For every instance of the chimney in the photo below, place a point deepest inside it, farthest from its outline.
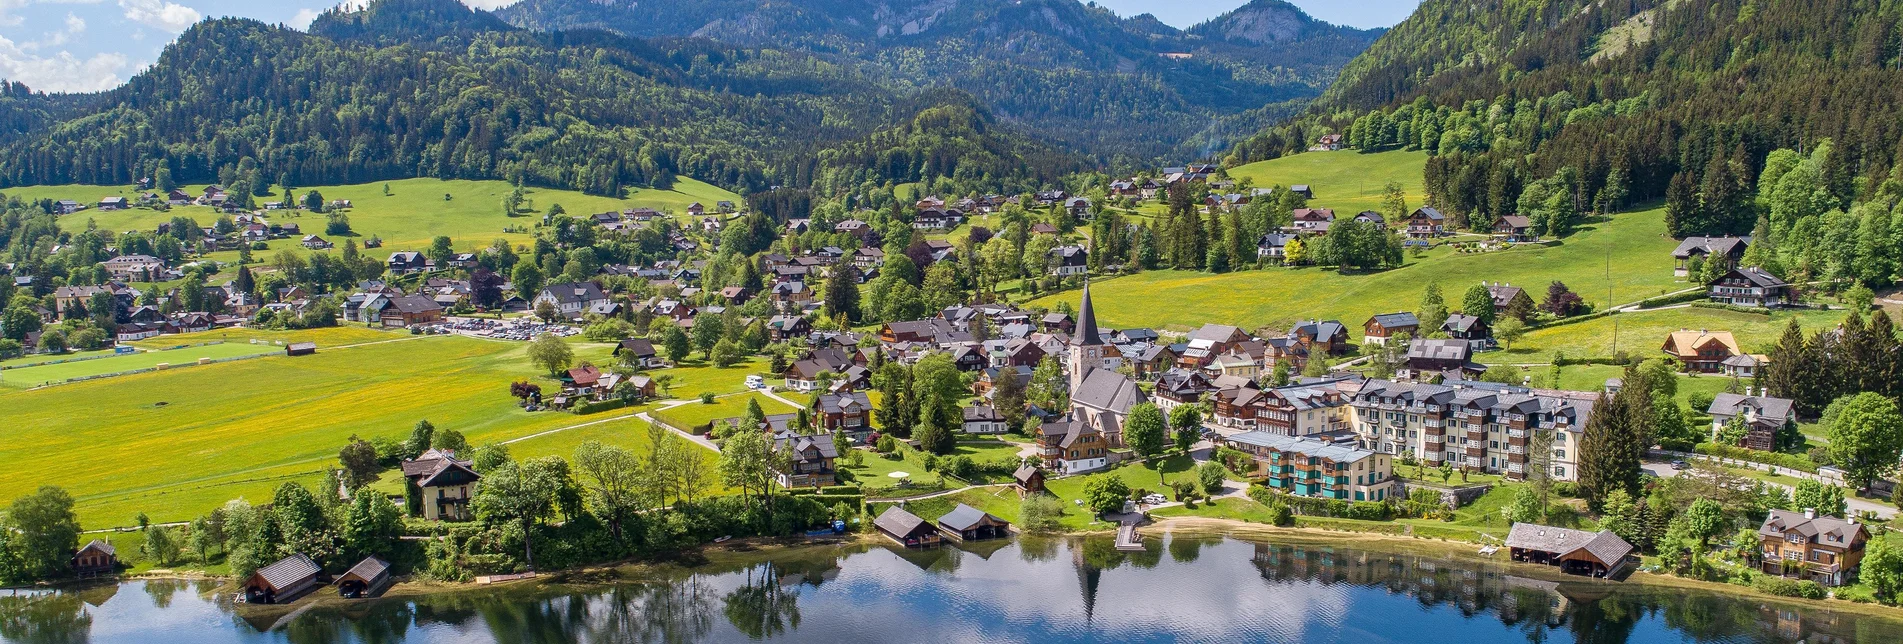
(1810, 513)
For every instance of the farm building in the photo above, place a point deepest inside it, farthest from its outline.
(97, 558)
(282, 581)
(366, 579)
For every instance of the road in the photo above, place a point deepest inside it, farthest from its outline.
(1856, 505)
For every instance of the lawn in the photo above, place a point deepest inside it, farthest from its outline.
(1593, 378)
(874, 470)
(35, 376)
(1643, 332)
(695, 414)
(414, 212)
(241, 428)
(326, 337)
(1634, 244)
(1349, 182)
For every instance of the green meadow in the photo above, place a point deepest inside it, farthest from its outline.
(413, 213)
(1628, 252)
(175, 443)
(1643, 333)
(1347, 181)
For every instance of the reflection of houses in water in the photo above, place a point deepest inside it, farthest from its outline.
(1474, 588)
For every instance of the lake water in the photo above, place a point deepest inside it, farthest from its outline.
(1206, 589)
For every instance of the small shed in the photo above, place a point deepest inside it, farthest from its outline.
(366, 579)
(1577, 552)
(300, 349)
(1030, 480)
(906, 528)
(97, 558)
(282, 581)
(966, 523)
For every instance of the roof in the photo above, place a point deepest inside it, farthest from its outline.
(1459, 322)
(368, 569)
(101, 545)
(1298, 445)
(641, 347)
(1429, 213)
(288, 571)
(1776, 410)
(1685, 342)
(982, 412)
(1759, 277)
(1395, 320)
(1108, 390)
(896, 520)
(1087, 335)
(1439, 350)
(1711, 246)
(449, 472)
(1515, 221)
(1779, 522)
(1024, 473)
(799, 443)
(1605, 546)
(965, 517)
(415, 304)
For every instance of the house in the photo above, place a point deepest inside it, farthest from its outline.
(135, 268)
(1069, 260)
(1752, 287)
(406, 262)
(282, 581)
(67, 207)
(114, 203)
(1028, 480)
(444, 485)
(584, 376)
(1514, 228)
(966, 523)
(97, 557)
(1235, 364)
(844, 412)
(906, 528)
(1328, 143)
(1312, 220)
(1077, 207)
(408, 310)
(1701, 351)
(314, 242)
(1724, 250)
(638, 351)
(300, 349)
(1103, 401)
(1763, 416)
(696, 209)
(1072, 447)
(984, 419)
(1303, 190)
(365, 580)
(1452, 359)
(1576, 552)
(1472, 329)
(1507, 297)
(791, 294)
(782, 328)
(1824, 549)
(1273, 246)
(1744, 366)
(1316, 468)
(1379, 328)
(570, 299)
(1426, 223)
(808, 461)
(1181, 387)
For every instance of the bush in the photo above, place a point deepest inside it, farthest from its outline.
(599, 406)
(1280, 515)
(1566, 489)
(1793, 461)
(706, 397)
(1784, 587)
(1368, 511)
(840, 489)
(1040, 513)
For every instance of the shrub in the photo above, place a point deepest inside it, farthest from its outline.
(1280, 515)
(1784, 587)
(1566, 489)
(1040, 513)
(706, 397)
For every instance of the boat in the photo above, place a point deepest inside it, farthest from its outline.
(723, 539)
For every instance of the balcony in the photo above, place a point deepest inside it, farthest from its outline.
(1431, 422)
(1518, 418)
(1433, 439)
(1516, 433)
(1516, 449)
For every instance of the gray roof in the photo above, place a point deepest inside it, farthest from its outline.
(1776, 410)
(1711, 245)
(101, 545)
(897, 521)
(369, 569)
(1215, 333)
(1779, 522)
(1439, 350)
(965, 517)
(1605, 546)
(982, 413)
(1396, 320)
(288, 571)
(1305, 446)
(1108, 390)
(799, 443)
(1759, 277)
(1087, 333)
(1459, 322)
(1025, 472)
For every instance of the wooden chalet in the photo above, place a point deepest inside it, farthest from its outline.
(282, 581)
(367, 579)
(1378, 329)
(300, 349)
(1575, 552)
(966, 523)
(906, 528)
(98, 557)
(1028, 480)
(446, 485)
(1824, 549)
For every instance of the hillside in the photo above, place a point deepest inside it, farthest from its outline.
(430, 88)
(1622, 99)
(1075, 74)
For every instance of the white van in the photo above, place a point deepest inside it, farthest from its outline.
(756, 382)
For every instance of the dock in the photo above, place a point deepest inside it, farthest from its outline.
(1127, 538)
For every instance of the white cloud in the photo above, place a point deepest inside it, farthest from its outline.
(303, 18)
(169, 16)
(61, 72)
(74, 24)
(490, 5)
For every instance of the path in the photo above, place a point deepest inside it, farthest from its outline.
(698, 439)
(1858, 505)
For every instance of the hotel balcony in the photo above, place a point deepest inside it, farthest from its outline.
(1516, 433)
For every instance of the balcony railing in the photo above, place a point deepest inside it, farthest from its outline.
(1516, 433)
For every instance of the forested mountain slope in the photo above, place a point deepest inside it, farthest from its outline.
(1076, 74)
(430, 88)
(1606, 102)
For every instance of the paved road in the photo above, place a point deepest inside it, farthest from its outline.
(1856, 505)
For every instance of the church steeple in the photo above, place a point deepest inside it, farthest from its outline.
(1086, 335)
(1086, 346)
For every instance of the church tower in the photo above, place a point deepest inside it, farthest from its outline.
(1086, 347)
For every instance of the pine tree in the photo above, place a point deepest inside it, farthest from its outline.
(1615, 439)
(1783, 377)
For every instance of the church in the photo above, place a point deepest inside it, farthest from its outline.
(1100, 401)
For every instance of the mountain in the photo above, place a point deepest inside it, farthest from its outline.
(1617, 101)
(407, 88)
(1131, 89)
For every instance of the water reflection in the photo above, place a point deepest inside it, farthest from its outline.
(1027, 590)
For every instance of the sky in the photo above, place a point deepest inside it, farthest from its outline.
(95, 45)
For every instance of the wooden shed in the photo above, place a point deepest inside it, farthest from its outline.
(366, 579)
(300, 349)
(97, 558)
(906, 528)
(282, 581)
(966, 523)
(1577, 552)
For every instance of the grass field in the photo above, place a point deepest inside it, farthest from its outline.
(177, 358)
(242, 428)
(414, 212)
(1641, 333)
(695, 414)
(325, 337)
(1640, 267)
(872, 473)
(1349, 182)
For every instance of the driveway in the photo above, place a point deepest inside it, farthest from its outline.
(1856, 505)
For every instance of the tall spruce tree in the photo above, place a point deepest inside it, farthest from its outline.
(1609, 455)
(1783, 377)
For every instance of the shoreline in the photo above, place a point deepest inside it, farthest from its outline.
(753, 549)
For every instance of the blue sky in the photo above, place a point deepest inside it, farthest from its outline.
(93, 45)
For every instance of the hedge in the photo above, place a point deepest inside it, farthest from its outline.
(840, 489)
(1754, 310)
(1780, 459)
(1574, 319)
(1311, 506)
(1783, 587)
(599, 406)
(1668, 300)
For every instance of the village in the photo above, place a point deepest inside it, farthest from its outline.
(881, 341)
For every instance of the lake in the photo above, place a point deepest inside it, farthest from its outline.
(1202, 589)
